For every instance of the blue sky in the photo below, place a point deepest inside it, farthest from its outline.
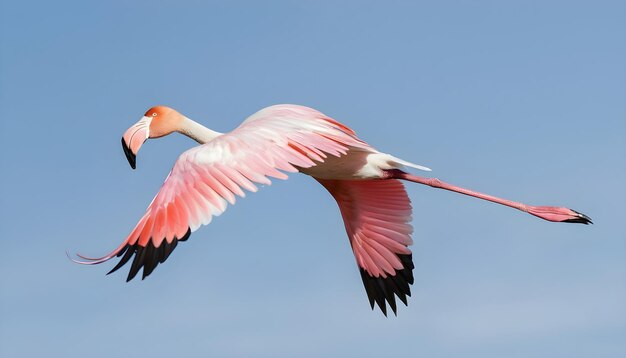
(526, 100)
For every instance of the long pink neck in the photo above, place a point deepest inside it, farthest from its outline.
(197, 131)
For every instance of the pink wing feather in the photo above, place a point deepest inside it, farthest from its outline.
(377, 215)
(206, 178)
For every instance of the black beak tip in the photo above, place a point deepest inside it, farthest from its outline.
(581, 219)
(132, 158)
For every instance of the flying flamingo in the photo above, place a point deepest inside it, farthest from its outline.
(288, 138)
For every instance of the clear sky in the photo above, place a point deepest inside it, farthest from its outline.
(526, 100)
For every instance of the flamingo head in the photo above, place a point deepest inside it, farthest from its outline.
(157, 122)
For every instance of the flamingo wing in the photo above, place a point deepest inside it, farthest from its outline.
(377, 215)
(208, 177)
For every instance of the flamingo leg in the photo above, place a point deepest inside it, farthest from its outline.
(550, 213)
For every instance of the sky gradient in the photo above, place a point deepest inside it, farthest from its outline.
(525, 100)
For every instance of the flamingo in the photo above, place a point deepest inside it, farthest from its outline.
(280, 139)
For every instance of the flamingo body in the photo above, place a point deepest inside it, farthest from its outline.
(276, 140)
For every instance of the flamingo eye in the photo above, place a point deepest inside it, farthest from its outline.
(154, 114)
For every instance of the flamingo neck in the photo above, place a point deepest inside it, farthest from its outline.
(197, 131)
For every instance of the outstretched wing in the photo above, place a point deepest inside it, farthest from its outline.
(377, 215)
(206, 178)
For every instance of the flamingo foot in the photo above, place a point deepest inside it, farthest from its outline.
(558, 214)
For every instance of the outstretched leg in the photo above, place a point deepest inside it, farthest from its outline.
(550, 213)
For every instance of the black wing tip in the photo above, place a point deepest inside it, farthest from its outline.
(132, 158)
(382, 291)
(148, 257)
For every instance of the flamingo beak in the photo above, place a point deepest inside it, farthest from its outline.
(134, 137)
